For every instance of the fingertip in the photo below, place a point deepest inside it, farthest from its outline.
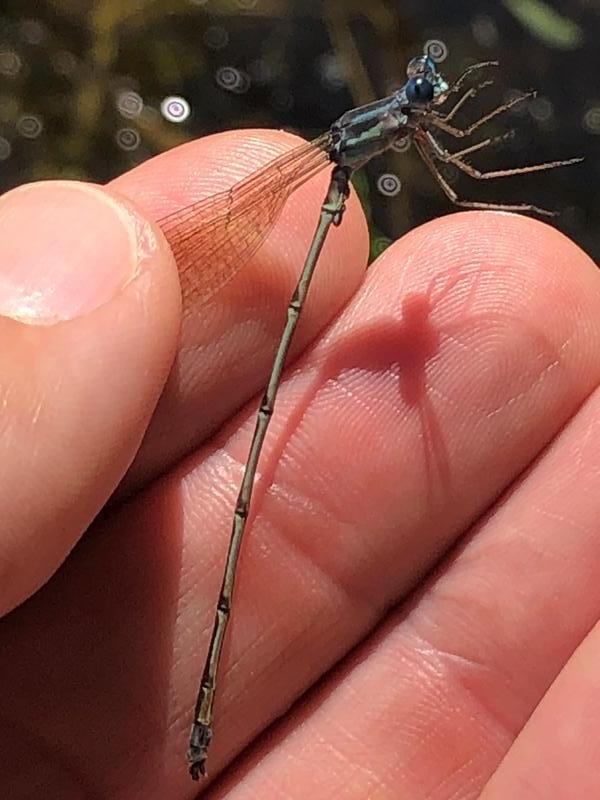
(91, 305)
(522, 252)
(497, 233)
(88, 245)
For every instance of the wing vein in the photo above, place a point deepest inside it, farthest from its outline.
(213, 238)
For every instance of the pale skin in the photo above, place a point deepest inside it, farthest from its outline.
(451, 394)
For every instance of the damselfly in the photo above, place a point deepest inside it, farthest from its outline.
(236, 222)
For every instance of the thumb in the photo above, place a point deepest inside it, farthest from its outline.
(89, 319)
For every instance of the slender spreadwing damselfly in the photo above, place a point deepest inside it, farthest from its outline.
(226, 229)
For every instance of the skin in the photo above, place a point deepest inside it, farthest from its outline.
(418, 600)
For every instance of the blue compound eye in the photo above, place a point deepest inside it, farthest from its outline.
(419, 90)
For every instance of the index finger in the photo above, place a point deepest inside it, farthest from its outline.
(227, 343)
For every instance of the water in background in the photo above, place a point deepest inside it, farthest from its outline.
(89, 88)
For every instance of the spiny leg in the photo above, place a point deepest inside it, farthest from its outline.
(468, 95)
(428, 158)
(456, 158)
(460, 133)
(459, 83)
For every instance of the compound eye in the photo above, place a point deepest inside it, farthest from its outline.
(421, 65)
(419, 91)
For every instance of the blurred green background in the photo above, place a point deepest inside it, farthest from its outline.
(90, 88)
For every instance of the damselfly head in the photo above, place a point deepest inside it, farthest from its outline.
(425, 84)
(421, 65)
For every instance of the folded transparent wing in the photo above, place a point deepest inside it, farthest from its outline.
(214, 238)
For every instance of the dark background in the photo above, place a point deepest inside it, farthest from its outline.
(82, 84)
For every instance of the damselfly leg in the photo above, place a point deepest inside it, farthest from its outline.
(441, 154)
(429, 159)
(431, 151)
(468, 95)
(460, 82)
(460, 133)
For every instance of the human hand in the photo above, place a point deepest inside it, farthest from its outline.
(455, 396)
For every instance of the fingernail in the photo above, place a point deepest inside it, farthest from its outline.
(66, 248)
